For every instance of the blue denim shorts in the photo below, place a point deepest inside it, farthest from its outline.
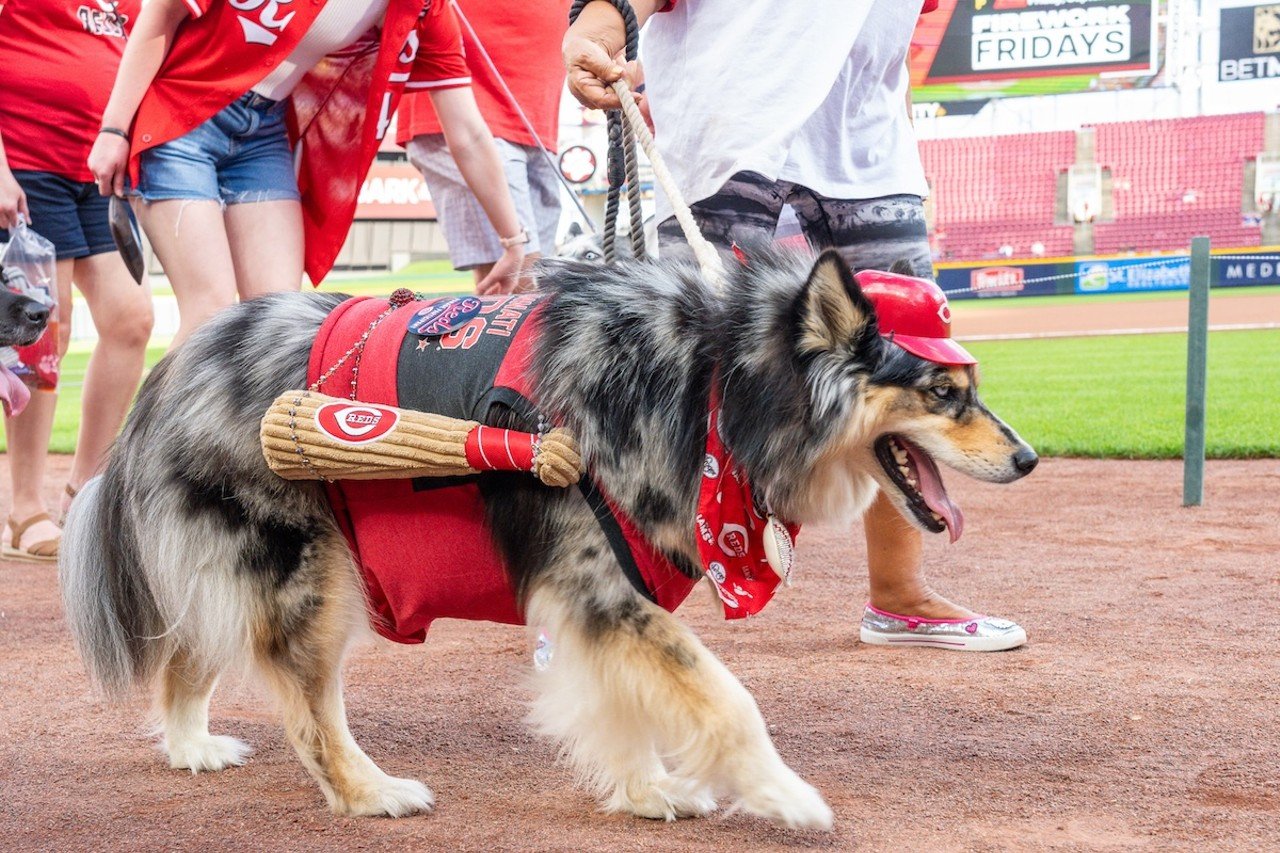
(240, 155)
(70, 214)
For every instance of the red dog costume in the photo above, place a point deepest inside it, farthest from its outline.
(422, 545)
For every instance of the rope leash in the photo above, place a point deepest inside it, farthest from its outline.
(708, 258)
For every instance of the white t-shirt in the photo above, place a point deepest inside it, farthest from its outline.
(808, 90)
(339, 23)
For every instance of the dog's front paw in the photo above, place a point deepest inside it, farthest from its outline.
(206, 753)
(789, 800)
(666, 799)
(387, 797)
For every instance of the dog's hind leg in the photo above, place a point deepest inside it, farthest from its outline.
(185, 688)
(646, 714)
(300, 647)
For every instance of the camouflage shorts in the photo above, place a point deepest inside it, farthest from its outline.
(870, 233)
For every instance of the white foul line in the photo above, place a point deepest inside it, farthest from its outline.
(1030, 336)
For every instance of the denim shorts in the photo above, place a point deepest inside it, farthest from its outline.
(240, 155)
(70, 214)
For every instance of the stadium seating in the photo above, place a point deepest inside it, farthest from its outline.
(1171, 180)
(997, 191)
(1176, 178)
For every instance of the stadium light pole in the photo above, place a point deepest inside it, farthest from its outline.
(1197, 363)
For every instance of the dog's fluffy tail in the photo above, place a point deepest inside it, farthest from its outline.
(109, 607)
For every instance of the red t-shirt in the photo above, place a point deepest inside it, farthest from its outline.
(339, 111)
(523, 40)
(60, 59)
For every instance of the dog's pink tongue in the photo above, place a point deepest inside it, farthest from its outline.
(13, 392)
(935, 494)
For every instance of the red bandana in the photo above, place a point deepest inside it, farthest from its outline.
(743, 549)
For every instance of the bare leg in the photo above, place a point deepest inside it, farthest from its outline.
(28, 441)
(191, 241)
(266, 246)
(122, 313)
(304, 668)
(650, 719)
(184, 712)
(27, 436)
(896, 567)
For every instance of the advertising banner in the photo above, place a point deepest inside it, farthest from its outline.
(1249, 43)
(1127, 275)
(1029, 44)
(394, 190)
(1243, 270)
(1232, 268)
(1132, 274)
(1004, 280)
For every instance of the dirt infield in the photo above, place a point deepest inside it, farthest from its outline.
(1143, 713)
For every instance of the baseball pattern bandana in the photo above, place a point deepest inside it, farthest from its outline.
(745, 552)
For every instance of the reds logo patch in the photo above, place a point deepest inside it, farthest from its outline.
(444, 317)
(733, 540)
(355, 423)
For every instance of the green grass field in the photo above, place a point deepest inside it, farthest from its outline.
(1117, 396)
(1123, 396)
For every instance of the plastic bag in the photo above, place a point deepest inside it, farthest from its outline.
(29, 267)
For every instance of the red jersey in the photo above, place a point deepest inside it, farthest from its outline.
(523, 39)
(339, 112)
(60, 58)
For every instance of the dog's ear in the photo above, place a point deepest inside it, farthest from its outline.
(833, 309)
(575, 230)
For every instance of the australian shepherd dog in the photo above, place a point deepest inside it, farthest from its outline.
(188, 556)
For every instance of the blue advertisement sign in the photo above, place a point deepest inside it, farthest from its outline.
(1239, 268)
(1240, 271)
(1127, 275)
(1133, 274)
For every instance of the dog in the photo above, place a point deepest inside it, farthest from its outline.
(22, 321)
(188, 556)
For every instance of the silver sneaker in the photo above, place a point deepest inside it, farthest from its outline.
(979, 634)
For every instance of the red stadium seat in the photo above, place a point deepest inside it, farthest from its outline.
(1172, 179)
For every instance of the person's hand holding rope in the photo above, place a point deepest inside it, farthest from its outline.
(593, 50)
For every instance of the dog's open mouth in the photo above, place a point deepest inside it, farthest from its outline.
(916, 475)
(13, 392)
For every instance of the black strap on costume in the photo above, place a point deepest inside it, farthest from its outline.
(622, 164)
(612, 531)
(608, 522)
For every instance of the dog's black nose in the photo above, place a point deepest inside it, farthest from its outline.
(1025, 460)
(35, 313)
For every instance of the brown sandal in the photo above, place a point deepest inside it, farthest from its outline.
(45, 551)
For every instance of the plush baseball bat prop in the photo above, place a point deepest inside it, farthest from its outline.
(311, 436)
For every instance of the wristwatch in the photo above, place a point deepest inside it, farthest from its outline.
(518, 240)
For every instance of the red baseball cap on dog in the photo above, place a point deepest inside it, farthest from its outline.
(914, 314)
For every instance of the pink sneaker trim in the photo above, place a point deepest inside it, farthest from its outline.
(921, 619)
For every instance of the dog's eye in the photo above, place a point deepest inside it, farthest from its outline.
(943, 392)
